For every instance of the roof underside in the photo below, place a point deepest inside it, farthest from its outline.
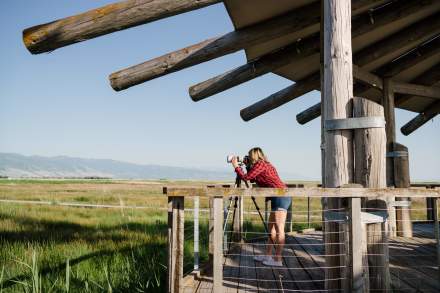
(244, 13)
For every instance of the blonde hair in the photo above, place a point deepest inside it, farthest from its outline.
(256, 154)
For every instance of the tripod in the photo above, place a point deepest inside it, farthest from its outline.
(234, 200)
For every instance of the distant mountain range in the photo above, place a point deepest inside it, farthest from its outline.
(18, 166)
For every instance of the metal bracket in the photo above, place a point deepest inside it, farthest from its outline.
(400, 203)
(354, 123)
(373, 217)
(397, 154)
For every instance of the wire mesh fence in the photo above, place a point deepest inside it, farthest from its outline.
(315, 253)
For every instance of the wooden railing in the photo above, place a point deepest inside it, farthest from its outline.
(355, 220)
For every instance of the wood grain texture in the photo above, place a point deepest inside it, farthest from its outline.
(427, 115)
(417, 90)
(337, 93)
(235, 41)
(176, 219)
(402, 180)
(309, 46)
(104, 20)
(410, 37)
(217, 245)
(370, 171)
(314, 192)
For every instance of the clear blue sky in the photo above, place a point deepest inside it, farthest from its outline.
(61, 103)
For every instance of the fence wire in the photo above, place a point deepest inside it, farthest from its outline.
(409, 245)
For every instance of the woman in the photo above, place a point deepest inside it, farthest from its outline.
(265, 175)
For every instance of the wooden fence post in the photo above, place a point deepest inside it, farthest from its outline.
(196, 234)
(217, 244)
(176, 219)
(437, 232)
(370, 171)
(356, 247)
(402, 180)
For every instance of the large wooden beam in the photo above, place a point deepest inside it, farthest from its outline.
(428, 78)
(300, 88)
(410, 35)
(104, 20)
(251, 70)
(338, 93)
(429, 113)
(279, 98)
(361, 25)
(410, 59)
(217, 47)
(417, 90)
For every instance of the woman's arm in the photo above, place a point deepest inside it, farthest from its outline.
(253, 172)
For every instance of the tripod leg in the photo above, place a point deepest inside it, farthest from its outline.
(233, 219)
(227, 214)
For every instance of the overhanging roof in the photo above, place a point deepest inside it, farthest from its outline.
(244, 13)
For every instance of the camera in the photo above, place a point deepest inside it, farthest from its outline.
(241, 161)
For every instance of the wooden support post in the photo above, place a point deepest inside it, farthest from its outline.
(176, 219)
(289, 226)
(211, 231)
(196, 234)
(389, 110)
(337, 96)
(437, 232)
(370, 171)
(217, 244)
(430, 209)
(356, 247)
(402, 180)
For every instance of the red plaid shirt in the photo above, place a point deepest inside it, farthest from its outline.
(262, 173)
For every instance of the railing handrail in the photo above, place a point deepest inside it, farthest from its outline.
(318, 192)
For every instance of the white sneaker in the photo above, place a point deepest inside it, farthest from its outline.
(262, 257)
(272, 263)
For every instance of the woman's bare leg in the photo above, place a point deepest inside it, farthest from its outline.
(273, 234)
(280, 222)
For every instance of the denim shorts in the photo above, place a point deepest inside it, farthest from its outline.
(280, 203)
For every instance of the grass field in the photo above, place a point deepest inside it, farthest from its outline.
(52, 248)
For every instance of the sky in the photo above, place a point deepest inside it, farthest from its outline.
(61, 103)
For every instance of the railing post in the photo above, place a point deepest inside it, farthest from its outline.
(436, 231)
(196, 233)
(217, 244)
(355, 246)
(176, 219)
(266, 211)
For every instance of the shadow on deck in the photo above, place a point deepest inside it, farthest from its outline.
(413, 266)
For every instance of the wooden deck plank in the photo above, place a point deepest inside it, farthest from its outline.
(312, 265)
(414, 265)
(231, 269)
(267, 280)
(281, 275)
(301, 278)
(409, 273)
(205, 285)
(248, 276)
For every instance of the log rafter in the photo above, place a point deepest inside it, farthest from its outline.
(104, 20)
(402, 38)
(214, 48)
(312, 83)
(361, 25)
